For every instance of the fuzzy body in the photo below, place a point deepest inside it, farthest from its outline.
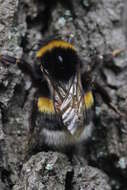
(62, 115)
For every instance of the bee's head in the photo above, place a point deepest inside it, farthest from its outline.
(61, 68)
(58, 59)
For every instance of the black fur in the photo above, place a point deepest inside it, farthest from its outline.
(61, 63)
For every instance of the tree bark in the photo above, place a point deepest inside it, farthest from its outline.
(97, 29)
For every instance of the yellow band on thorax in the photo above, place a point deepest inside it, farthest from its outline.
(54, 44)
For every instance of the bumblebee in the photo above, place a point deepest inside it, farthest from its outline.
(68, 99)
(61, 111)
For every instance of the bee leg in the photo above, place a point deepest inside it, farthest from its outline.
(6, 59)
(30, 141)
(117, 52)
(76, 154)
(33, 145)
(33, 71)
(106, 98)
(108, 59)
(104, 60)
(79, 160)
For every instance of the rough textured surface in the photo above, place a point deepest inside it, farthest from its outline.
(53, 171)
(89, 178)
(97, 28)
(45, 171)
(8, 9)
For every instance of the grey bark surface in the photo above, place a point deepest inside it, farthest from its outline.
(97, 28)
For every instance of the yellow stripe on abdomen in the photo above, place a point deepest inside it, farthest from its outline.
(88, 99)
(45, 105)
